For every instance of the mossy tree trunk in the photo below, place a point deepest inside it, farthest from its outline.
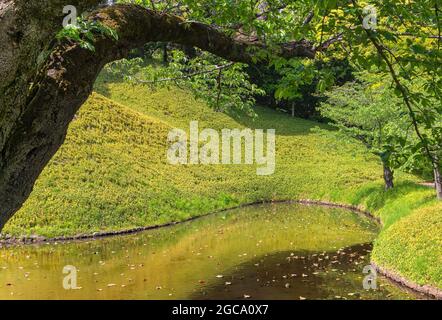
(44, 83)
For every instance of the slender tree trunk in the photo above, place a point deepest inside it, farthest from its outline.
(388, 178)
(438, 182)
(165, 54)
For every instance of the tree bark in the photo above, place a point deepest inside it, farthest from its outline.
(165, 54)
(438, 182)
(43, 83)
(388, 178)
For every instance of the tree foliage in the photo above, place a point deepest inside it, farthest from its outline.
(372, 114)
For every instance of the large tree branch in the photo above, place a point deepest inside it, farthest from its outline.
(136, 24)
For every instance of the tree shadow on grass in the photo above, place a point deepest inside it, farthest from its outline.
(396, 203)
(101, 84)
(268, 118)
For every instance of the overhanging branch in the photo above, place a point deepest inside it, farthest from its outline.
(137, 25)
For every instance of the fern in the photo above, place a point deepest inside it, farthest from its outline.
(85, 31)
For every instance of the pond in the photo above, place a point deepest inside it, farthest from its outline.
(275, 251)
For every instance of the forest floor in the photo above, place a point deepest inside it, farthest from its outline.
(112, 174)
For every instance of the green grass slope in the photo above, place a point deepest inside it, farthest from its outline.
(413, 246)
(112, 174)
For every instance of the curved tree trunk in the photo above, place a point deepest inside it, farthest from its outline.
(43, 84)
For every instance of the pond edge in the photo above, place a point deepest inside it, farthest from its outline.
(35, 239)
(395, 277)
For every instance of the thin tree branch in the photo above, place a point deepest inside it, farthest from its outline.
(187, 76)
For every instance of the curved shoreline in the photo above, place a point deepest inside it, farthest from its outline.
(389, 274)
(26, 240)
(395, 277)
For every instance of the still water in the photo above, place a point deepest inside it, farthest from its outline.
(279, 251)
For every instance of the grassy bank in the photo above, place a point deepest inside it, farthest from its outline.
(112, 174)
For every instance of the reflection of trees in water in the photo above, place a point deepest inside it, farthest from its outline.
(290, 275)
